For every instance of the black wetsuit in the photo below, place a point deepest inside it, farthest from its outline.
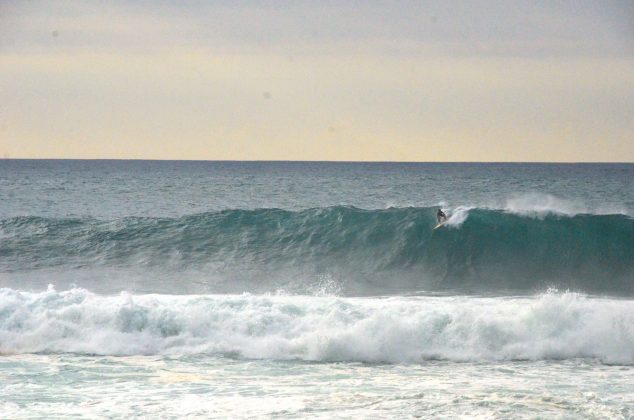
(441, 216)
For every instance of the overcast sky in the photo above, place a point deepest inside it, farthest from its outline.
(322, 80)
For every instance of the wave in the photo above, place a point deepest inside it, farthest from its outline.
(550, 326)
(364, 251)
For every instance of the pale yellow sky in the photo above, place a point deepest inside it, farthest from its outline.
(309, 82)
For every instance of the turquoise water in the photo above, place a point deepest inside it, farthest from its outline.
(255, 289)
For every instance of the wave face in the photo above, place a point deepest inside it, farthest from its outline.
(550, 326)
(365, 251)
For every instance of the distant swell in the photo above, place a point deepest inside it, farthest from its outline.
(551, 326)
(379, 250)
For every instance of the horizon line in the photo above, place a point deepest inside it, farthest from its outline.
(313, 161)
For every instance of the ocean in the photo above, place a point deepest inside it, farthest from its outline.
(171, 289)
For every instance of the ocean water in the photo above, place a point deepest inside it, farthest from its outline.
(319, 290)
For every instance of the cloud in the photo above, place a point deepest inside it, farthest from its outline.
(482, 28)
(479, 80)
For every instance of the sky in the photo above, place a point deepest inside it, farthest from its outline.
(318, 80)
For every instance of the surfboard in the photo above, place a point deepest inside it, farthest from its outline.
(439, 225)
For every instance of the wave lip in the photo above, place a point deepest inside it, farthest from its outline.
(396, 330)
(540, 205)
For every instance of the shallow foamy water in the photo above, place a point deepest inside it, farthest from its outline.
(220, 387)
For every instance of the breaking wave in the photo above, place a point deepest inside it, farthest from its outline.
(549, 326)
(365, 251)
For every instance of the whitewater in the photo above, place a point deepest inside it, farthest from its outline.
(259, 289)
(392, 330)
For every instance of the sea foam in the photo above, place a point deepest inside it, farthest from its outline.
(394, 330)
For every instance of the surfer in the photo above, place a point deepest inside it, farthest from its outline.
(440, 216)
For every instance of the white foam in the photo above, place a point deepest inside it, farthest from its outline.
(553, 325)
(458, 216)
(539, 205)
